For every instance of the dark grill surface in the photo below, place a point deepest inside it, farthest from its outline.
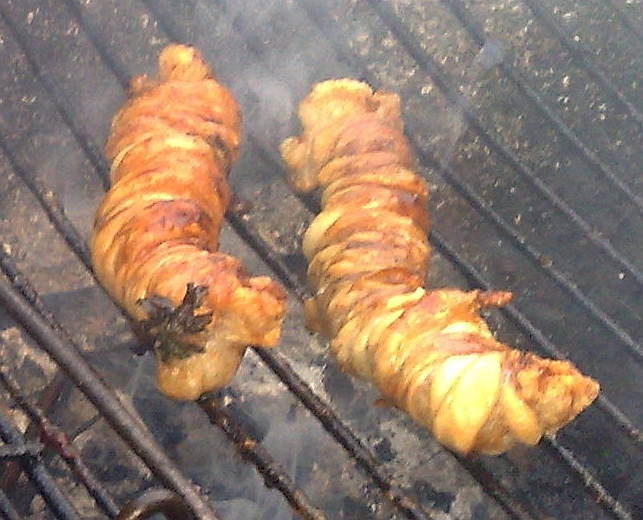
(526, 117)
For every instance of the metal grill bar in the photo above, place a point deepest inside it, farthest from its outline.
(582, 56)
(456, 99)
(26, 449)
(92, 151)
(55, 438)
(518, 509)
(38, 474)
(273, 474)
(66, 354)
(603, 495)
(477, 32)
(6, 508)
(11, 470)
(154, 501)
(51, 205)
(273, 260)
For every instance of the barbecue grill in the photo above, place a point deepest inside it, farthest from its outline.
(526, 117)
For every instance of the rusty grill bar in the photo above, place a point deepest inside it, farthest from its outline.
(596, 458)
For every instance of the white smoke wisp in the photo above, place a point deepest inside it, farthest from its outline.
(491, 55)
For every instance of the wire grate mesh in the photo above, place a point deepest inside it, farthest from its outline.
(502, 204)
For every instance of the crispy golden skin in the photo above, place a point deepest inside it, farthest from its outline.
(156, 232)
(428, 351)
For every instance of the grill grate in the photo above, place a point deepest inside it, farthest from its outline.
(519, 161)
(48, 335)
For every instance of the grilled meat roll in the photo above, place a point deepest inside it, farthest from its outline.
(156, 232)
(427, 351)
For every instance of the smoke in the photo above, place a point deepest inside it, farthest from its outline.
(270, 60)
(490, 56)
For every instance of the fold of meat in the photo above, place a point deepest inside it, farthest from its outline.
(156, 232)
(428, 351)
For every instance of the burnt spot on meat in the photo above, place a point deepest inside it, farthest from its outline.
(170, 326)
